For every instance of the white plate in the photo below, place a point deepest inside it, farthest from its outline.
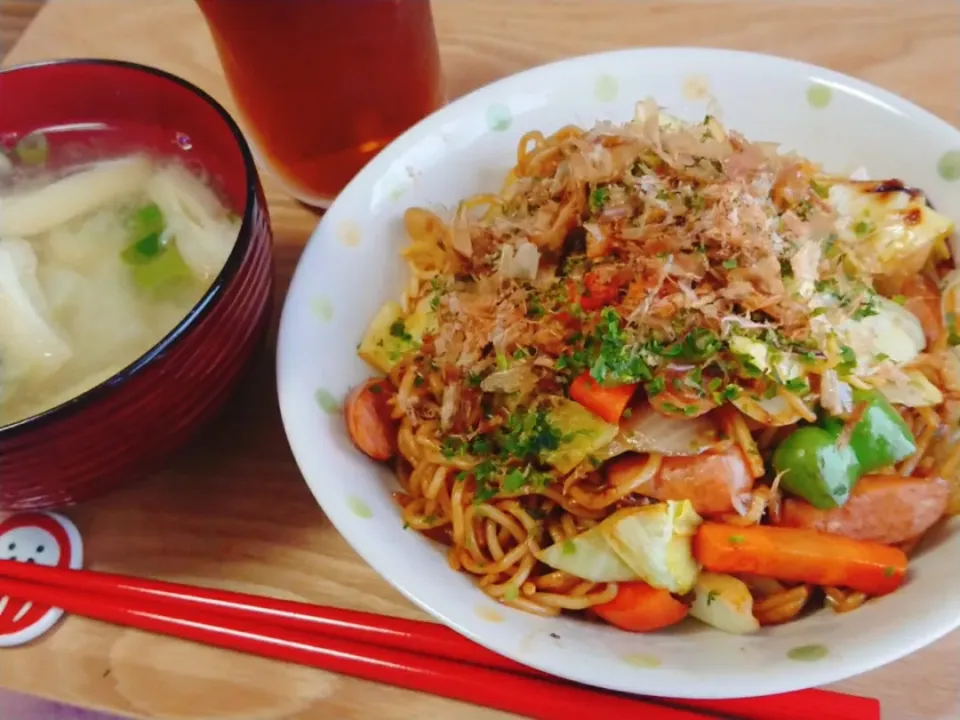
(351, 266)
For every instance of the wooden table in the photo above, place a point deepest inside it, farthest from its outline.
(232, 510)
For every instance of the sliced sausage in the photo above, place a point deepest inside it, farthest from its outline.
(883, 508)
(922, 298)
(367, 412)
(711, 482)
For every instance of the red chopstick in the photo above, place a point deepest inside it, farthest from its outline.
(393, 632)
(181, 604)
(520, 694)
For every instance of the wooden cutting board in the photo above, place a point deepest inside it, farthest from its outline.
(232, 511)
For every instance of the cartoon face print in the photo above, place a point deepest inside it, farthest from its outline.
(30, 544)
(42, 539)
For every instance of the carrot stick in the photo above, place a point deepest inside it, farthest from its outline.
(599, 292)
(638, 607)
(807, 556)
(607, 402)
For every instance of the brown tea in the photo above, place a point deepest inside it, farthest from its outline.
(322, 85)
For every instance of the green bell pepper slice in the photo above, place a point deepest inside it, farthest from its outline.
(815, 468)
(822, 472)
(881, 437)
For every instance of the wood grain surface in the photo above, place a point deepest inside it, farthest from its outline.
(232, 510)
(15, 16)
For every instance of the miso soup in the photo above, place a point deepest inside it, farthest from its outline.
(98, 262)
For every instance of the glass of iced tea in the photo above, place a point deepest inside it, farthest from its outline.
(322, 85)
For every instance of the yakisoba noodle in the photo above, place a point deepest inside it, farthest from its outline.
(659, 365)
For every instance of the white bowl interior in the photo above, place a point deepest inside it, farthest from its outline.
(351, 266)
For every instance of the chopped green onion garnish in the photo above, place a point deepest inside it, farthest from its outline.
(164, 270)
(143, 251)
(147, 220)
(598, 198)
(32, 149)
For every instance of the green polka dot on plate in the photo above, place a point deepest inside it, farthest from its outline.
(326, 401)
(696, 88)
(349, 233)
(819, 96)
(498, 117)
(322, 308)
(359, 508)
(642, 660)
(606, 88)
(399, 191)
(489, 614)
(808, 653)
(949, 166)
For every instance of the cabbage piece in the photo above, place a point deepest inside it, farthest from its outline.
(587, 556)
(715, 128)
(616, 447)
(649, 431)
(390, 337)
(774, 412)
(753, 350)
(655, 542)
(651, 543)
(379, 347)
(30, 346)
(583, 434)
(893, 331)
(890, 233)
(423, 320)
(781, 366)
(724, 602)
(514, 379)
(917, 391)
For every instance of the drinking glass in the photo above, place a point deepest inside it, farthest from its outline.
(323, 85)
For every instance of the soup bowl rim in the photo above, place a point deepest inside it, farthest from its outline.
(204, 306)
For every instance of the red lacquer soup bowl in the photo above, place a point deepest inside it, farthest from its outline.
(124, 427)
